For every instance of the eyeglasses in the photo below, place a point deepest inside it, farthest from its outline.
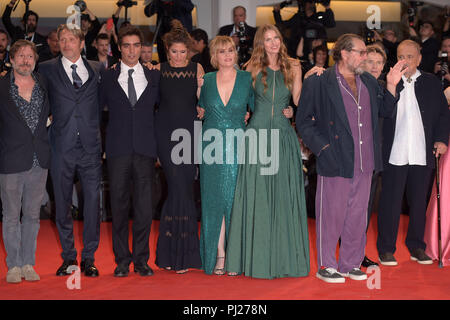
(362, 53)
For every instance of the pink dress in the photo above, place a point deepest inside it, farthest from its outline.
(431, 226)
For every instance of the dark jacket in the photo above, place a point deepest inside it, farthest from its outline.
(17, 33)
(17, 143)
(74, 111)
(130, 129)
(322, 101)
(249, 32)
(168, 10)
(434, 113)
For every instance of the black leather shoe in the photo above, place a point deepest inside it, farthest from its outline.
(143, 270)
(62, 270)
(90, 270)
(121, 271)
(367, 262)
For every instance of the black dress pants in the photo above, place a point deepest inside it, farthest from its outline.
(395, 180)
(130, 178)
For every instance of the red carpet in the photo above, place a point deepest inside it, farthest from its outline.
(407, 281)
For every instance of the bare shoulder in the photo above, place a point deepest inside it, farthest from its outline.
(200, 70)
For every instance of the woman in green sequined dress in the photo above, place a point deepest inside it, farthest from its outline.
(224, 97)
(268, 232)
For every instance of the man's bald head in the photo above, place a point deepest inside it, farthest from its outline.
(409, 51)
(410, 43)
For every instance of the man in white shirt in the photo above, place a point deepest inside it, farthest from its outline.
(130, 92)
(411, 139)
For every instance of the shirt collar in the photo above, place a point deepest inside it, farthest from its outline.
(137, 68)
(412, 79)
(67, 63)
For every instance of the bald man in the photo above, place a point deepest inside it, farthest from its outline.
(417, 133)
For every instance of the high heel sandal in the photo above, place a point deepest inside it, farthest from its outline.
(219, 271)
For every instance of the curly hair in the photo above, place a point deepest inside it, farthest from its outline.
(178, 34)
(259, 60)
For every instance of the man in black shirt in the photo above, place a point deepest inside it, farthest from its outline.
(5, 65)
(29, 21)
(306, 23)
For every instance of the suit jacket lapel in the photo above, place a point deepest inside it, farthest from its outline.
(119, 88)
(336, 98)
(65, 78)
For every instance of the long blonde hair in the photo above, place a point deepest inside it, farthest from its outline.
(259, 60)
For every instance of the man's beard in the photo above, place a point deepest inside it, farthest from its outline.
(2, 49)
(31, 28)
(22, 72)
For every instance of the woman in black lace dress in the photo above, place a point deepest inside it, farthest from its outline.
(178, 242)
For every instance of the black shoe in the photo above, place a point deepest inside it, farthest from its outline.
(387, 259)
(368, 263)
(121, 271)
(144, 270)
(62, 270)
(90, 270)
(420, 256)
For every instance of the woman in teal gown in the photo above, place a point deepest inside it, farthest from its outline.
(224, 97)
(268, 233)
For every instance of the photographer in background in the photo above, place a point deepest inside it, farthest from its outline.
(29, 22)
(52, 50)
(306, 23)
(390, 43)
(90, 26)
(5, 65)
(441, 68)
(429, 44)
(241, 33)
(166, 11)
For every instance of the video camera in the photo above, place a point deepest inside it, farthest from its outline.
(301, 2)
(244, 46)
(127, 3)
(412, 11)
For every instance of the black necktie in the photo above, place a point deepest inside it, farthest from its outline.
(131, 90)
(77, 82)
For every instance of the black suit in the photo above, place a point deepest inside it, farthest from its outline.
(414, 179)
(76, 146)
(131, 153)
(17, 143)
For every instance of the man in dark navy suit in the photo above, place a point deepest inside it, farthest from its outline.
(130, 91)
(75, 141)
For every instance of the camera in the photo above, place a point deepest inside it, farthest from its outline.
(244, 48)
(369, 36)
(412, 11)
(443, 57)
(5, 66)
(127, 3)
(285, 3)
(80, 4)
